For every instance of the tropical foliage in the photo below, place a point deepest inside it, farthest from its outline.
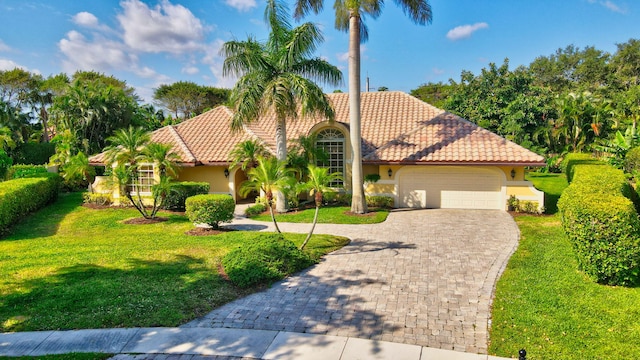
(270, 175)
(278, 75)
(572, 100)
(349, 18)
(129, 150)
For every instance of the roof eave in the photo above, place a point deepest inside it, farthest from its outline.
(483, 163)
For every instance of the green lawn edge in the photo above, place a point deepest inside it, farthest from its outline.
(71, 267)
(328, 215)
(545, 305)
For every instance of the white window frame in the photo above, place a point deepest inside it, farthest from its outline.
(332, 141)
(145, 179)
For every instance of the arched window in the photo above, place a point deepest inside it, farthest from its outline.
(331, 140)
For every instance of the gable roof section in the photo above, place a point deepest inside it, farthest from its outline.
(396, 129)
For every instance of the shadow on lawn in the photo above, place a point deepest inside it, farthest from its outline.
(147, 293)
(46, 221)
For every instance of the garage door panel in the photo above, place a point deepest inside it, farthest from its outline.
(454, 188)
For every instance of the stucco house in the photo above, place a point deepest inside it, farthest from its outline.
(425, 156)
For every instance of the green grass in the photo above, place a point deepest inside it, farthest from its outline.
(552, 185)
(70, 267)
(545, 305)
(328, 215)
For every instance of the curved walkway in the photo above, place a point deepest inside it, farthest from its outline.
(423, 277)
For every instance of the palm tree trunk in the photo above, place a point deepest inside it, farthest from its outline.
(273, 217)
(281, 155)
(315, 221)
(358, 203)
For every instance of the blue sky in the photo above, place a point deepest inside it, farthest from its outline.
(153, 42)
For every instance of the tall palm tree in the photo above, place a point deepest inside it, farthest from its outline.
(279, 76)
(269, 176)
(317, 183)
(349, 18)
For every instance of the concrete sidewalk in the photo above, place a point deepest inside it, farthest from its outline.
(191, 343)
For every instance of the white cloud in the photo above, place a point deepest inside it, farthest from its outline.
(213, 59)
(85, 19)
(613, 7)
(4, 47)
(190, 70)
(100, 54)
(437, 71)
(165, 28)
(6, 64)
(465, 31)
(242, 5)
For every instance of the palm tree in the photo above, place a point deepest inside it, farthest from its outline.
(317, 183)
(305, 152)
(270, 175)
(78, 169)
(126, 152)
(246, 154)
(349, 17)
(279, 76)
(162, 158)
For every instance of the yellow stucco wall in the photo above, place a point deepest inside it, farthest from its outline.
(520, 190)
(378, 188)
(214, 175)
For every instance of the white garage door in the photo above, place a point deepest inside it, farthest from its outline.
(451, 187)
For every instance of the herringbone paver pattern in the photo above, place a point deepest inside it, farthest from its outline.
(423, 277)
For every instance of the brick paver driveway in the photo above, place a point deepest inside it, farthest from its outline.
(422, 277)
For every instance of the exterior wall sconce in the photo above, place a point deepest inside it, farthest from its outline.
(389, 172)
(226, 173)
(513, 174)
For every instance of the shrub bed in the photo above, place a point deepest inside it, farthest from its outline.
(180, 191)
(211, 209)
(602, 224)
(19, 197)
(384, 202)
(269, 258)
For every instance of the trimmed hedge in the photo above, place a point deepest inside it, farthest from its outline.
(270, 258)
(602, 224)
(26, 171)
(180, 191)
(632, 161)
(210, 209)
(573, 159)
(20, 197)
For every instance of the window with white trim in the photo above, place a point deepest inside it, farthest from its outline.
(331, 140)
(145, 180)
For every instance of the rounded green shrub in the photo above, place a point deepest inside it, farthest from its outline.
(269, 258)
(602, 224)
(385, 202)
(256, 209)
(211, 209)
(632, 161)
(180, 191)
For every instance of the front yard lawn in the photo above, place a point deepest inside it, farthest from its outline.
(328, 215)
(70, 267)
(544, 304)
(552, 185)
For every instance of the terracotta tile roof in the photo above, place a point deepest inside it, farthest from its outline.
(396, 128)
